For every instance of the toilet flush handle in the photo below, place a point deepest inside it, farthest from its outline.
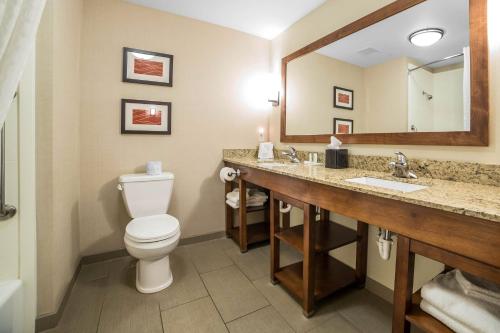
(119, 187)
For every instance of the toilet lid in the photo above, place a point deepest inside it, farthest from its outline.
(152, 228)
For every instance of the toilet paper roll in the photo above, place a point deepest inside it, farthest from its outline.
(153, 168)
(227, 174)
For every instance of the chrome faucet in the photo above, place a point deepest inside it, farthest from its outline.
(292, 155)
(401, 167)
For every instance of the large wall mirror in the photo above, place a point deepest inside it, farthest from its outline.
(413, 72)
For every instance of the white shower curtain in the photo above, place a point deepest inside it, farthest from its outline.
(466, 89)
(19, 20)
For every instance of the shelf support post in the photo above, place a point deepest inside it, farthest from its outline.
(308, 270)
(275, 242)
(361, 253)
(243, 215)
(229, 211)
(403, 285)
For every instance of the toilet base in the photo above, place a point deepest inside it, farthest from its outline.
(153, 276)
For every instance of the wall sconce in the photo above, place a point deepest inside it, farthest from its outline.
(274, 98)
(261, 134)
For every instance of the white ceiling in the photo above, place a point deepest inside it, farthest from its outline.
(263, 18)
(388, 39)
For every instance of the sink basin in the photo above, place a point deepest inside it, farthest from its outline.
(388, 184)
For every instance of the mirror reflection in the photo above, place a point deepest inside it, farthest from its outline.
(412, 76)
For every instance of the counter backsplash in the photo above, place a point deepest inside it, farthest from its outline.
(466, 172)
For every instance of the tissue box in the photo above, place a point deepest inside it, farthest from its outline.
(336, 158)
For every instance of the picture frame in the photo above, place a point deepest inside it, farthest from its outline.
(146, 117)
(343, 126)
(147, 67)
(343, 98)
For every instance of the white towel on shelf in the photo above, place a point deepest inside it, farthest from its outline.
(233, 204)
(258, 194)
(445, 294)
(254, 197)
(479, 288)
(235, 195)
(237, 204)
(445, 319)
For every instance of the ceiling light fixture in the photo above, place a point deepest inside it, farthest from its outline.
(426, 37)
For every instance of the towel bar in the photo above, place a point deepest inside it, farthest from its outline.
(6, 211)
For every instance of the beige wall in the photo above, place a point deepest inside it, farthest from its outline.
(310, 82)
(387, 102)
(333, 15)
(58, 150)
(213, 101)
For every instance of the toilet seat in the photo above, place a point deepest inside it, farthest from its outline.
(152, 228)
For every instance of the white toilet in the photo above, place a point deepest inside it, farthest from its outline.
(152, 234)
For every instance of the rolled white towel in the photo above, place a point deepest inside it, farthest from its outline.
(445, 294)
(445, 319)
(479, 288)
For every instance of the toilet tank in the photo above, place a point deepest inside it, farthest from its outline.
(146, 195)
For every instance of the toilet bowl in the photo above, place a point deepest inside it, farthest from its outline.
(151, 239)
(152, 234)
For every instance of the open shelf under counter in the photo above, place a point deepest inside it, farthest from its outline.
(422, 319)
(329, 236)
(256, 233)
(331, 275)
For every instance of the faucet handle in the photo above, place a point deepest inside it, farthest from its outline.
(292, 149)
(401, 158)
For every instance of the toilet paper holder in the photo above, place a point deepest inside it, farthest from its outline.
(237, 173)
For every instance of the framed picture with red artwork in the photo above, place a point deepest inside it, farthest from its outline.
(342, 126)
(343, 98)
(146, 67)
(146, 117)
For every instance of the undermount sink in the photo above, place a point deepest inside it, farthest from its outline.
(388, 184)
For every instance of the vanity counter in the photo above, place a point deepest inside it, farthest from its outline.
(480, 201)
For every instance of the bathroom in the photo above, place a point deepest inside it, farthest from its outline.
(240, 83)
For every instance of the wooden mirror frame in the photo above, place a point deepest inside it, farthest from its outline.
(479, 126)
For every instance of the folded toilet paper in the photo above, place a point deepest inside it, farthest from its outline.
(153, 168)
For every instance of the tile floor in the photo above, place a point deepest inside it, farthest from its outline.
(215, 289)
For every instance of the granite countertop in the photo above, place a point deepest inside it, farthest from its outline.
(481, 201)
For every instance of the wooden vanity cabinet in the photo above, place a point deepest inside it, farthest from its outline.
(245, 234)
(318, 275)
(459, 240)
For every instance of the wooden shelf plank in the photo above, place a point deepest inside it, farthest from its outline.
(256, 233)
(329, 236)
(423, 320)
(331, 276)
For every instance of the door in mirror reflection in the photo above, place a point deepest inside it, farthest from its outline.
(407, 73)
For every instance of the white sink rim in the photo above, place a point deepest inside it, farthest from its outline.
(387, 184)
